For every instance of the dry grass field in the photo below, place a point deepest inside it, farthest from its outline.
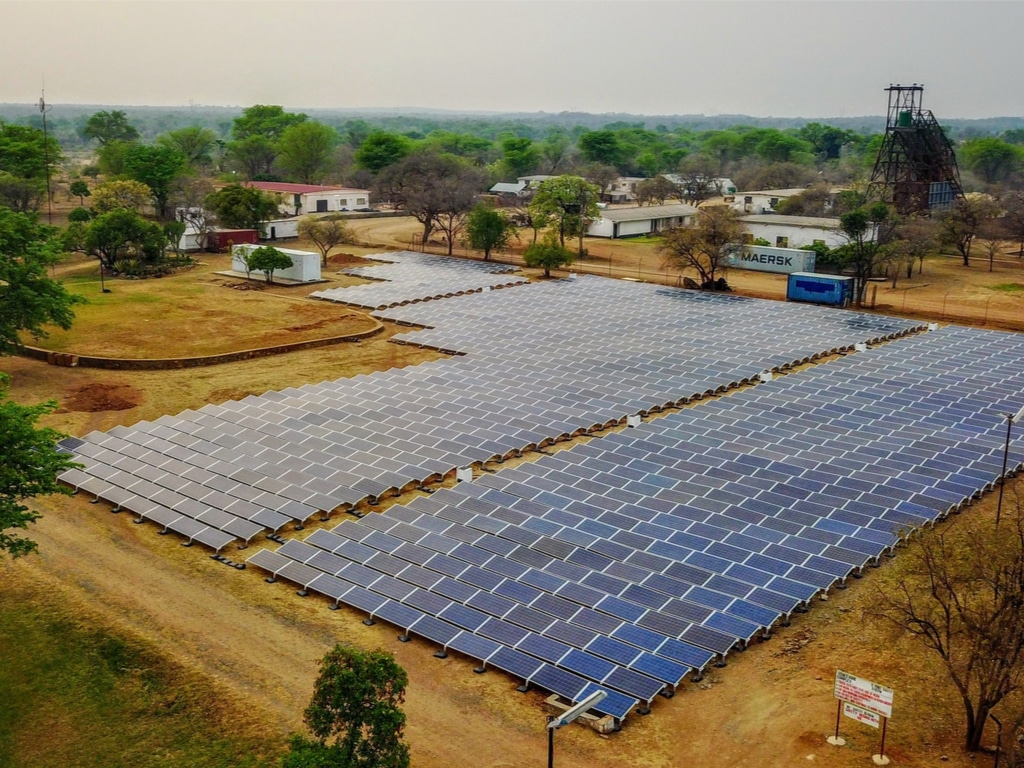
(243, 653)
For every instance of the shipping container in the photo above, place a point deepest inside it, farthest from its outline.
(833, 290)
(781, 260)
(221, 240)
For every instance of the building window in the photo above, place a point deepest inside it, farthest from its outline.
(773, 202)
(747, 200)
(781, 242)
(361, 201)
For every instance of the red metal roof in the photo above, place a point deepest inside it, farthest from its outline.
(296, 189)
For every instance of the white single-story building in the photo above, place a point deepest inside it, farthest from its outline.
(765, 200)
(297, 199)
(282, 229)
(305, 266)
(641, 220)
(792, 231)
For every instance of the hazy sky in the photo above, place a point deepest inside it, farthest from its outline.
(823, 58)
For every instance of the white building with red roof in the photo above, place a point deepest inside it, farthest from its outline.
(298, 199)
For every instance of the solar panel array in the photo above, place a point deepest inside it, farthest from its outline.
(628, 561)
(232, 470)
(412, 277)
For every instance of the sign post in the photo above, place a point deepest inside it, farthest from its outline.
(863, 701)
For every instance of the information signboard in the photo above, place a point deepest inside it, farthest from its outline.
(861, 715)
(863, 693)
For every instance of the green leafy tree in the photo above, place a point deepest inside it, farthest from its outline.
(488, 228)
(110, 157)
(254, 155)
(548, 253)
(267, 120)
(990, 158)
(242, 207)
(520, 155)
(867, 231)
(570, 203)
(29, 465)
(122, 235)
(157, 167)
(194, 142)
(826, 140)
(602, 147)
(29, 299)
(325, 233)
(355, 714)
(26, 152)
(382, 149)
(80, 189)
(305, 149)
(106, 127)
(121, 194)
(255, 135)
(21, 194)
(79, 216)
(267, 260)
(173, 232)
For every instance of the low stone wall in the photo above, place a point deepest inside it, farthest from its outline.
(71, 360)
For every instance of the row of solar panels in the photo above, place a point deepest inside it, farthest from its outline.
(413, 277)
(287, 455)
(684, 527)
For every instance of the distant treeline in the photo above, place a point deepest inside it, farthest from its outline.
(67, 120)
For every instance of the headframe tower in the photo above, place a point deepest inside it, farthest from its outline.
(916, 167)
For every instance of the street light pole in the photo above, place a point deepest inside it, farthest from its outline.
(556, 722)
(1011, 419)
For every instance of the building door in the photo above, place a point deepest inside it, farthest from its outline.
(273, 233)
(321, 206)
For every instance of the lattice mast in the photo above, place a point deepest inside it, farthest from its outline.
(916, 167)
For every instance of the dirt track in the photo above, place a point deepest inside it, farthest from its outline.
(771, 706)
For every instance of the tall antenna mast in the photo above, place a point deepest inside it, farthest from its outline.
(43, 109)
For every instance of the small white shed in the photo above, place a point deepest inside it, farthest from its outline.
(305, 266)
(640, 220)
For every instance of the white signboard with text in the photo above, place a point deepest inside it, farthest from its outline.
(874, 698)
(861, 715)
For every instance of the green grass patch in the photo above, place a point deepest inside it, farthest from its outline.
(77, 696)
(644, 239)
(1009, 287)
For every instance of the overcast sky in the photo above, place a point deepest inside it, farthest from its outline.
(811, 59)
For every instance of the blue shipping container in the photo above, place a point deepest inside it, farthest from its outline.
(833, 290)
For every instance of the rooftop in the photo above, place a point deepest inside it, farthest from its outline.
(297, 189)
(639, 213)
(819, 222)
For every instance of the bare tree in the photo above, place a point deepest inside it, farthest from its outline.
(601, 175)
(960, 592)
(706, 246)
(325, 233)
(656, 190)
(697, 179)
(959, 226)
(1013, 219)
(437, 190)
